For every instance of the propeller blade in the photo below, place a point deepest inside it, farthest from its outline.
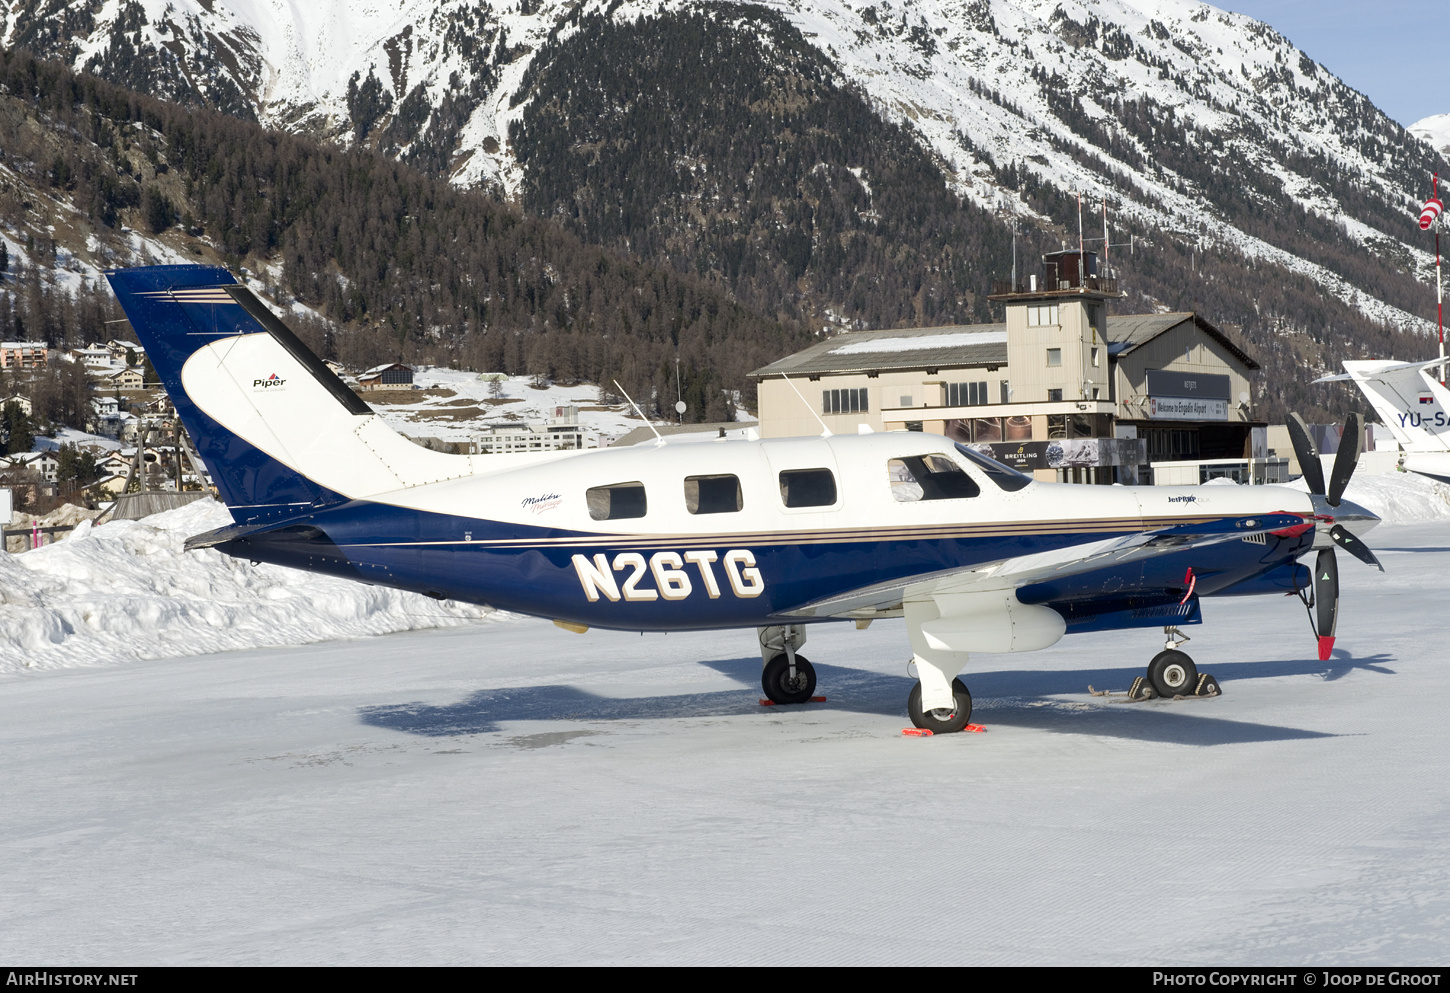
(1326, 600)
(1342, 537)
(1306, 454)
(1347, 458)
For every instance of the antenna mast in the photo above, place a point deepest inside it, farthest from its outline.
(658, 439)
(1106, 271)
(1081, 266)
(825, 431)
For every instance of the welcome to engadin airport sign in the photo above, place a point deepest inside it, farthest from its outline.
(1187, 396)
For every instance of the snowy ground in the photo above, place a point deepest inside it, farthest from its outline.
(506, 792)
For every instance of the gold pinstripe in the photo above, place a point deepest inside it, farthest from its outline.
(944, 532)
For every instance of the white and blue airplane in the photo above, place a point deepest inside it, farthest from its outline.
(1413, 404)
(774, 535)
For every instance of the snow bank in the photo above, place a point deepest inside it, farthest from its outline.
(126, 590)
(1397, 497)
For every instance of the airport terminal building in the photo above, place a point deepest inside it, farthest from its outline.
(1060, 388)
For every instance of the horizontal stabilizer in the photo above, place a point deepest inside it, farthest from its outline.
(232, 532)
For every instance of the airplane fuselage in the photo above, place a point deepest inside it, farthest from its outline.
(542, 550)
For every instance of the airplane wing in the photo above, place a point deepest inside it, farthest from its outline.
(1022, 570)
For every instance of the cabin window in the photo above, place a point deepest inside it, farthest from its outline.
(616, 502)
(808, 488)
(713, 494)
(929, 477)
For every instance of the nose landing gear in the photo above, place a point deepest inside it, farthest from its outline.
(1172, 673)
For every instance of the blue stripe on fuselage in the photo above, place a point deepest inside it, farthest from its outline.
(535, 573)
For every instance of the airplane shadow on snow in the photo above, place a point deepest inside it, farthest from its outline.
(1009, 697)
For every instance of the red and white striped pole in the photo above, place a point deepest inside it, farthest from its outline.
(1429, 214)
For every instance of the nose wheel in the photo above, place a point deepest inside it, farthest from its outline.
(1172, 673)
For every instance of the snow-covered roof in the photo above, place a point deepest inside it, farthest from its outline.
(383, 368)
(961, 345)
(964, 346)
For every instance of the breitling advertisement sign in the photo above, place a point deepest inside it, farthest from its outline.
(1066, 453)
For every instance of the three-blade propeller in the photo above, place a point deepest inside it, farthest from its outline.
(1328, 534)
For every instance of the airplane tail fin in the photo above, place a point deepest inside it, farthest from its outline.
(1408, 398)
(280, 433)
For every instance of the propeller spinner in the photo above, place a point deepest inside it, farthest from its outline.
(1331, 509)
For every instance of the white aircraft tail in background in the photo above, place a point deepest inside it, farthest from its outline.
(1413, 404)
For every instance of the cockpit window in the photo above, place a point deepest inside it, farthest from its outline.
(1004, 476)
(618, 501)
(808, 488)
(929, 477)
(713, 494)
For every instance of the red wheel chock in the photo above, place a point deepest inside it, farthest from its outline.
(924, 733)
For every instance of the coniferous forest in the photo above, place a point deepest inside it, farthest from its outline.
(700, 183)
(400, 263)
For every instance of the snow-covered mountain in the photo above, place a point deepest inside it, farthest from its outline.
(1435, 131)
(1189, 121)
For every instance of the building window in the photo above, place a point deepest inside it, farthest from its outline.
(906, 401)
(1097, 393)
(1054, 356)
(1095, 355)
(967, 394)
(1172, 444)
(844, 401)
(1072, 426)
(1006, 392)
(1044, 316)
(985, 429)
(1053, 396)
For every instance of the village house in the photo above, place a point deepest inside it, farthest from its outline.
(394, 376)
(44, 464)
(23, 354)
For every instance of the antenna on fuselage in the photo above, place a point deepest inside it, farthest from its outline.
(825, 431)
(658, 440)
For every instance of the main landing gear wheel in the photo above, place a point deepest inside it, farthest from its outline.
(1173, 673)
(941, 721)
(781, 687)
